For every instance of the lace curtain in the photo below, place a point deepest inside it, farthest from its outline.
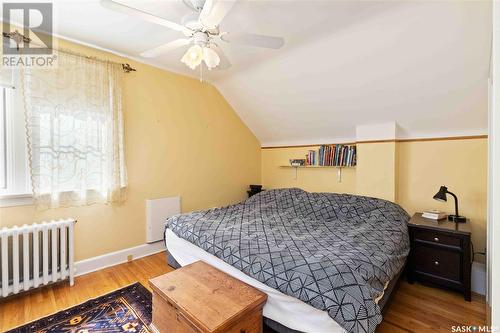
(74, 125)
(6, 77)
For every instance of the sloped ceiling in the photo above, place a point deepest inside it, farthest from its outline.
(423, 64)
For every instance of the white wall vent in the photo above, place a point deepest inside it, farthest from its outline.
(157, 213)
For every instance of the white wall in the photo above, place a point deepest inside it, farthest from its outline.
(494, 177)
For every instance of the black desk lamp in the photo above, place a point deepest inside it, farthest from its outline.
(441, 196)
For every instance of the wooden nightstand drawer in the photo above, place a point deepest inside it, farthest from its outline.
(437, 237)
(440, 253)
(438, 262)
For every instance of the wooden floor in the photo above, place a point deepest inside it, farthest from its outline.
(414, 308)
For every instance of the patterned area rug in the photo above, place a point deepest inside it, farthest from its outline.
(124, 310)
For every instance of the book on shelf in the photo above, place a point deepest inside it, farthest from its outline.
(434, 215)
(337, 155)
(311, 157)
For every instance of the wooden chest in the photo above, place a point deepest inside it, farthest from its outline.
(200, 298)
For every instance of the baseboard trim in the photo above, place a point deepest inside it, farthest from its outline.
(478, 271)
(478, 278)
(119, 257)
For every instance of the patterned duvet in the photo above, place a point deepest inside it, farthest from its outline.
(333, 251)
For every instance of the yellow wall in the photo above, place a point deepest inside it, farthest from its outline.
(314, 180)
(182, 138)
(409, 173)
(461, 165)
(177, 132)
(376, 170)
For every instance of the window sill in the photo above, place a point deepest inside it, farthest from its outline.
(12, 200)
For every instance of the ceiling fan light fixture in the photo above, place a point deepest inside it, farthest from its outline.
(193, 57)
(200, 28)
(210, 57)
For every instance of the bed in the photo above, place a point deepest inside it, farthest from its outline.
(327, 261)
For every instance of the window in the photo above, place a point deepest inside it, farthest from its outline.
(3, 141)
(71, 116)
(14, 175)
(74, 127)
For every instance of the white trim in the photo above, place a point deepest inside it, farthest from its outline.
(493, 230)
(478, 278)
(114, 258)
(12, 200)
(18, 176)
(489, 220)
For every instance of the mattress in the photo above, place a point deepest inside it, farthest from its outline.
(335, 252)
(286, 310)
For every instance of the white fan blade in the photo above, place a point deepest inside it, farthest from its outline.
(224, 61)
(165, 48)
(254, 40)
(118, 7)
(217, 13)
(207, 8)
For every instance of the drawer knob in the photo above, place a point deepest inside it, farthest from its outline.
(436, 263)
(436, 239)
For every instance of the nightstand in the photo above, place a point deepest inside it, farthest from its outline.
(440, 253)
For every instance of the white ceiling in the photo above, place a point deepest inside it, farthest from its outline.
(422, 64)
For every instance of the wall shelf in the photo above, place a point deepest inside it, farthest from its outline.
(317, 166)
(338, 167)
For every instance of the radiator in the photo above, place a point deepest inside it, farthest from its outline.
(36, 255)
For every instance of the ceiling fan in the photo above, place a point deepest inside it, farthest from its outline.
(201, 30)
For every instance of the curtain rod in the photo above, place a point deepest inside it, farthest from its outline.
(18, 38)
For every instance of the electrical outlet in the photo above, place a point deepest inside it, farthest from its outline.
(130, 258)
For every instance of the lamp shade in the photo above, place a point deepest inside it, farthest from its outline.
(193, 57)
(441, 195)
(211, 58)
